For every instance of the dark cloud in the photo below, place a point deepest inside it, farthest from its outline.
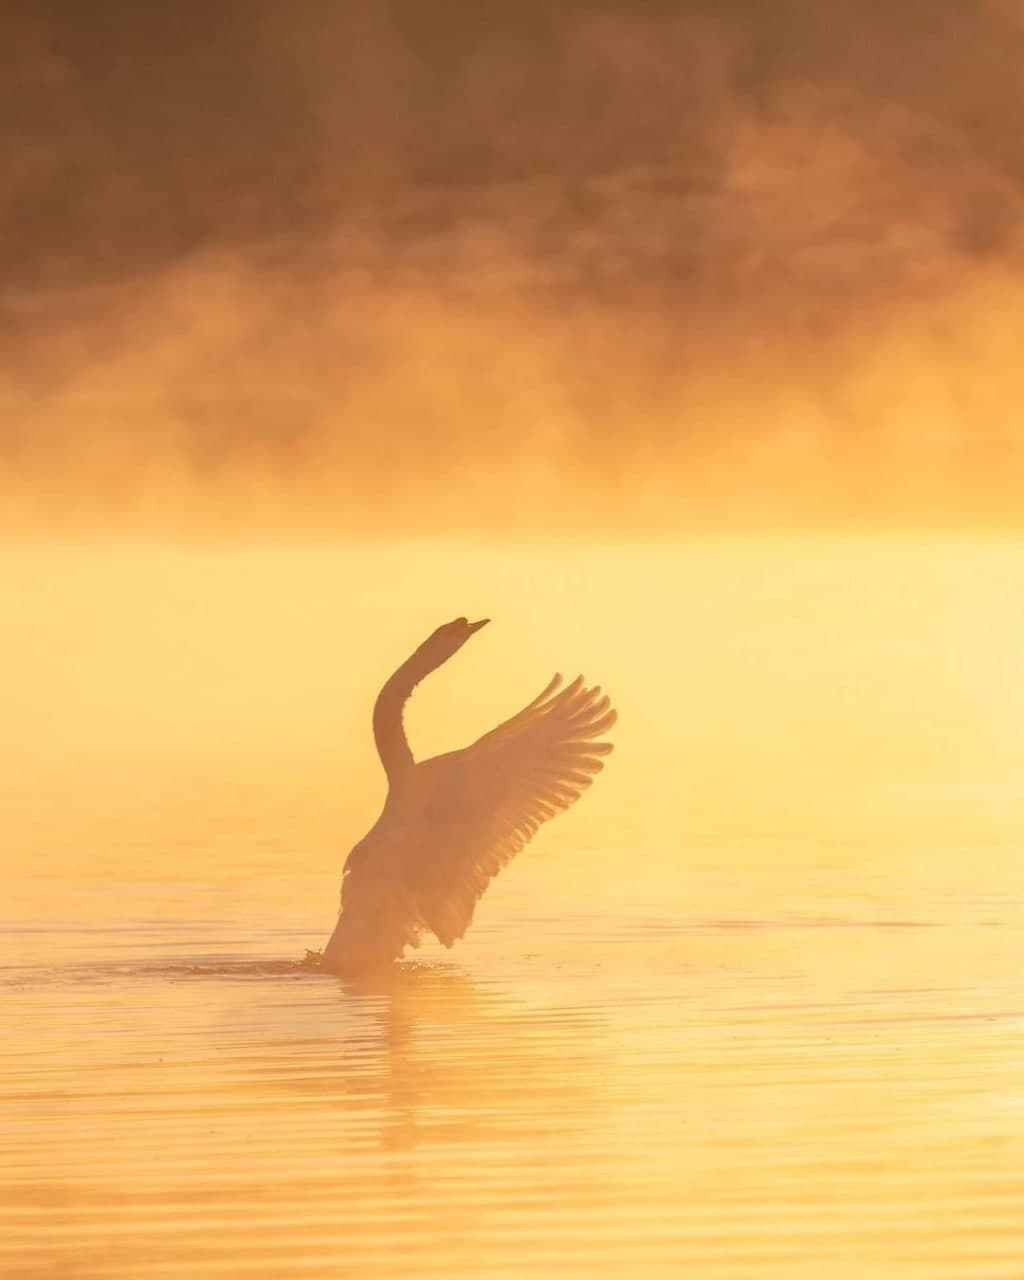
(408, 264)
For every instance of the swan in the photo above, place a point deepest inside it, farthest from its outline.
(450, 823)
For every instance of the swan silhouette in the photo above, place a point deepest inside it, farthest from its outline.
(450, 823)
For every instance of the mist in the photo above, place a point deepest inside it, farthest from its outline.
(484, 269)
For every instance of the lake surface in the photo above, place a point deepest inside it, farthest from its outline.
(753, 1009)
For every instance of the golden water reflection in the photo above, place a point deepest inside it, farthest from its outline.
(752, 1010)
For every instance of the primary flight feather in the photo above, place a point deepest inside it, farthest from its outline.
(450, 823)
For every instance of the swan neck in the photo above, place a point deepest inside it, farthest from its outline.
(388, 725)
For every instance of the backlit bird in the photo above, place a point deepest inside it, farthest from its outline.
(450, 823)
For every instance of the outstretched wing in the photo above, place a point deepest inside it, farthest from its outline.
(487, 801)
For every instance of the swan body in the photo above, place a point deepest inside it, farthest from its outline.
(450, 823)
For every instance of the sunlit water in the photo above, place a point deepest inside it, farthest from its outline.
(755, 1009)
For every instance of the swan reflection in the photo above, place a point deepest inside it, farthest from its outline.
(439, 1057)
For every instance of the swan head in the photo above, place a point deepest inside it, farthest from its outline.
(449, 639)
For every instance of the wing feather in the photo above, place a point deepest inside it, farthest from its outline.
(487, 801)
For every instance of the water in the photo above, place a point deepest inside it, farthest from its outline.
(695, 1030)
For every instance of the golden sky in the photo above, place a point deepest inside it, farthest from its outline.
(510, 267)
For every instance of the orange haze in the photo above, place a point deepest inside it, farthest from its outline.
(610, 267)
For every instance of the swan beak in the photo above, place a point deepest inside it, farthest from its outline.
(475, 626)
